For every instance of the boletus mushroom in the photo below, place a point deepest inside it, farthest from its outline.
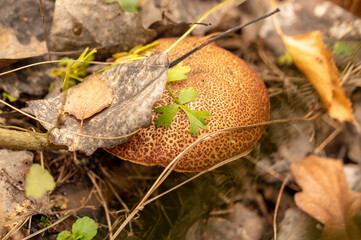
(227, 87)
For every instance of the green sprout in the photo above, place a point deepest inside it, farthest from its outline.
(72, 71)
(44, 221)
(196, 118)
(84, 228)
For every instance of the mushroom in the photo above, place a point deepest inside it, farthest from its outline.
(228, 88)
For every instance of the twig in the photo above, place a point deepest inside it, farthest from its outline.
(44, 26)
(328, 140)
(277, 205)
(46, 228)
(92, 177)
(16, 228)
(178, 60)
(11, 139)
(198, 175)
(271, 172)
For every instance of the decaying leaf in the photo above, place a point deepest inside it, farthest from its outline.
(186, 12)
(92, 96)
(327, 197)
(22, 34)
(313, 58)
(94, 23)
(135, 86)
(32, 81)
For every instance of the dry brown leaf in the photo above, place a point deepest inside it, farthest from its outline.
(94, 23)
(135, 86)
(92, 96)
(313, 58)
(327, 197)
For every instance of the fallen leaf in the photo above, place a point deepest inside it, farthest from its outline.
(92, 96)
(38, 181)
(336, 24)
(327, 197)
(22, 34)
(94, 23)
(185, 12)
(136, 86)
(32, 81)
(313, 58)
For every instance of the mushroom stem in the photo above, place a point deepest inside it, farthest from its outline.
(178, 60)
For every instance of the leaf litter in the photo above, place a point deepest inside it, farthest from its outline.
(327, 197)
(74, 27)
(89, 98)
(100, 113)
(135, 87)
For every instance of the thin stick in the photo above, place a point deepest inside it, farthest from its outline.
(277, 205)
(103, 202)
(175, 62)
(55, 61)
(220, 164)
(195, 25)
(75, 133)
(46, 228)
(41, 159)
(44, 26)
(16, 228)
(271, 172)
(328, 140)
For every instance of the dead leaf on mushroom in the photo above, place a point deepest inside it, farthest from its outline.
(135, 87)
(313, 58)
(327, 197)
(92, 96)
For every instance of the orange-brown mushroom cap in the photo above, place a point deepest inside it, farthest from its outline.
(227, 87)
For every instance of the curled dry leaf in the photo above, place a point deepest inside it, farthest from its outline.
(327, 197)
(313, 58)
(136, 86)
(92, 96)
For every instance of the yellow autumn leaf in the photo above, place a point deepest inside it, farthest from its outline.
(312, 57)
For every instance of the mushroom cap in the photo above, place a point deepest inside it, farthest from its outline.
(227, 87)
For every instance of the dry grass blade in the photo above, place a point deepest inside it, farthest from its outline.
(277, 205)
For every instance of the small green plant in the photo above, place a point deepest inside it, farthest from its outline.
(44, 221)
(72, 71)
(135, 53)
(9, 97)
(342, 49)
(127, 5)
(84, 228)
(38, 181)
(285, 59)
(196, 118)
